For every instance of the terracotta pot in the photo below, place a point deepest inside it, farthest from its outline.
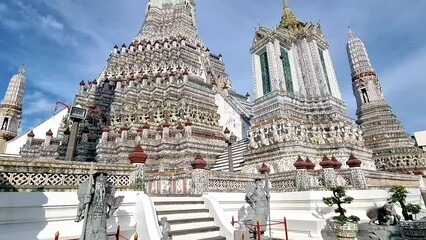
(346, 231)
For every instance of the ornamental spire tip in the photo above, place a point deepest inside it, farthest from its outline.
(351, 33)
(288, 18)
(21, 69)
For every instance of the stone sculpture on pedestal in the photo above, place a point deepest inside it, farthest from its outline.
(165, 229)
(257, 198)
(385, 215)
(388, 223)
(97, 204)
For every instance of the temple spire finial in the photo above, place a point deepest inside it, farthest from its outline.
(288, 18)
(351, 34)
(285, 4)
(22, 69)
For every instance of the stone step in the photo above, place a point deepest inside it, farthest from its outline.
(237, 146)
(182, 211)
(195, 233)
(222, 167)
(238, 154)
(189, 220)
(214, 238)
(175, 202)
(225, 162)
(184, 216)
(175, 199)
(236, 169)
(238, 150)
(191, 225)
(179, 206)
(188, 217)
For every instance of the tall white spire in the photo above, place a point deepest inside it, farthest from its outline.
(382, 131)
(11, 108)
(365, 83)
(15, 91)
(358, 57)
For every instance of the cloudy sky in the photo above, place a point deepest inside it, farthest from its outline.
(62, 42)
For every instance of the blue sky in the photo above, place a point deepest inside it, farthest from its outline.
(63, 42)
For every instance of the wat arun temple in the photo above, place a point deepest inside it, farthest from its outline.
(163, 119)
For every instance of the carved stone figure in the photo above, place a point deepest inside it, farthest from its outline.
(289, 128)
(165, 229)
(385, 215)
(97, 204)
(277, 137)
(301, 132)
(257, 198)
(264, 141)
(241, 217)
(252, 144)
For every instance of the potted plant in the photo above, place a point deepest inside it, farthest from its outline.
(346, 226)
(410, 229)
(399, 195)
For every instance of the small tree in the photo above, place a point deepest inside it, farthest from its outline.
(339, 197)
(399, 195)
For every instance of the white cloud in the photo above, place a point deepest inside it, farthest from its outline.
(50, 21)
(37, 102)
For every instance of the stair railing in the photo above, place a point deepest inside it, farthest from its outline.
(116, 235)
(257, 226)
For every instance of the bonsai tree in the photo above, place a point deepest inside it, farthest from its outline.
(339, 197)
(399, 195)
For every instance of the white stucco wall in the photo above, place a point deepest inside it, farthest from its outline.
(230, 118)
(38, 215)
(421, 139)
(13, 146)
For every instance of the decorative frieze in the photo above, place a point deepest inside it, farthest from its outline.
(45, 175)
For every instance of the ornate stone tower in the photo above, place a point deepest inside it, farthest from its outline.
(298, 108)
(383, 132)
(158, 91)
(11, 108)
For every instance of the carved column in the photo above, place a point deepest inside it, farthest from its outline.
(48, 138)
(357, 174)
(185, 76)
(124, 133)
(145, 131)
(302, 179)
(188, 128)
(200, 179)
(138, 158)
(328, 172)
(138, 134)
(159, 134)
(166, 127)
(179, 129)
(30, 138)
(104, 137)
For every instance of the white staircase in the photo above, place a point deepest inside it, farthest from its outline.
(222, 163)
(188, 217)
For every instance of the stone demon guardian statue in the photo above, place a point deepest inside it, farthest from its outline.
(97, 204)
